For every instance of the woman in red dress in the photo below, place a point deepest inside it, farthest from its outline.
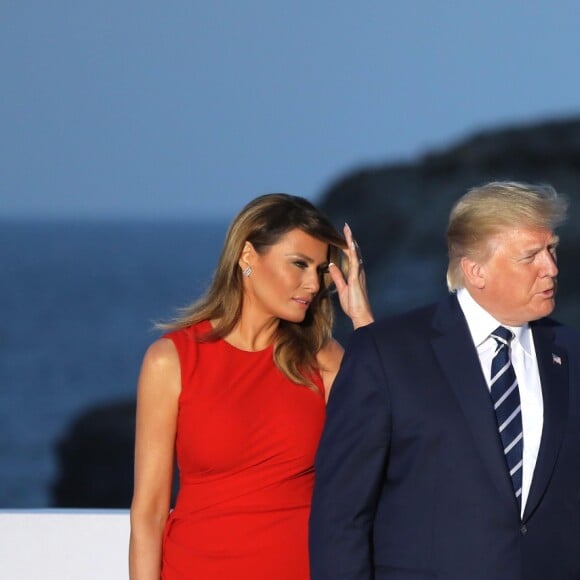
(236, 391)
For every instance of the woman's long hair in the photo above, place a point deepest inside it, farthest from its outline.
(262, 222)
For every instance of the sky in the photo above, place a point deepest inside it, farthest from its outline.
(188, 109)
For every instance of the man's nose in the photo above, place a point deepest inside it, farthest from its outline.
(551, 266)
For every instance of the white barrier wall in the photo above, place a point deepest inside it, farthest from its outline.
(64, 544)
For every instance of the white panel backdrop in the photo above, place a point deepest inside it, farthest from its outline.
(64, 544)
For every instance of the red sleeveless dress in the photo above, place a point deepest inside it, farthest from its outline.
(246, 440)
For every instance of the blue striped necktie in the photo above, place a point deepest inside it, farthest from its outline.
(506, 399)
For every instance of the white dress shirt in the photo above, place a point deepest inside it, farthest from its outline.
(523, 356)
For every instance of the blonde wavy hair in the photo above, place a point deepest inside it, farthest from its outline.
(262, 222)
(485, 210)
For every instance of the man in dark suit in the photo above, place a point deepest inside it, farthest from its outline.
(451, 449)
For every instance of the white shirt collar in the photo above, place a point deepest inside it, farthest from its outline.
(481, 323)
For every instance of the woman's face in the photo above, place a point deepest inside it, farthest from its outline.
(286, 278)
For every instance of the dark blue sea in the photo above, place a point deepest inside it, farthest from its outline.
(77, 305)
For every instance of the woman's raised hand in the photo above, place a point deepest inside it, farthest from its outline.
(352, 291)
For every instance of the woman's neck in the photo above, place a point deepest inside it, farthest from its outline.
(253, 335)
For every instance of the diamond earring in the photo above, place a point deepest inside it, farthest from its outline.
(247, 271)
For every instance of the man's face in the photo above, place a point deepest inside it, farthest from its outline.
(519, 277)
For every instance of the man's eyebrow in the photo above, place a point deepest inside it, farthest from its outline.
(537, 249)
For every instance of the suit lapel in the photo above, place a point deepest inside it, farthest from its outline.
(553, 367)
(459, 361)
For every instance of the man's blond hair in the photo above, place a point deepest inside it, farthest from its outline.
(486, 210)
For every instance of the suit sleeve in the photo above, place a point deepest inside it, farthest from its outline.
(350, 464)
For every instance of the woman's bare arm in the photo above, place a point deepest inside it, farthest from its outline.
(157, 398)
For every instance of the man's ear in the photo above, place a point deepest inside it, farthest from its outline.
(247, 255)
(473, 273)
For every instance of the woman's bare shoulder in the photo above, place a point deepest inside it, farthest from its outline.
(161, 353)
(329, 358)
(160, 370)
(330, 354)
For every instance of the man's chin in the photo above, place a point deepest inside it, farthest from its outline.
(548, 308)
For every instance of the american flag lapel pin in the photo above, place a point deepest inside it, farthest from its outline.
(556, 359)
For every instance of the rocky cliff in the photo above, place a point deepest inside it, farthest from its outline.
(399, 211)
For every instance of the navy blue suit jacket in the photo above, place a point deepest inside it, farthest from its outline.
(411, 480)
